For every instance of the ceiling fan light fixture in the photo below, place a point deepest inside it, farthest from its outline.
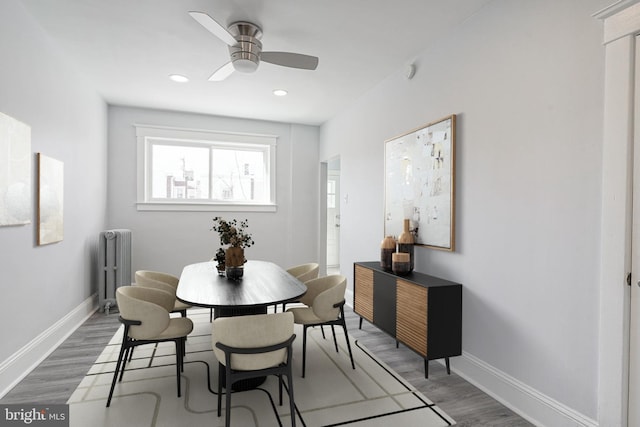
(280, 92)
(245, 65)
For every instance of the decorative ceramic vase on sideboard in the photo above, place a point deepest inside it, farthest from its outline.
(400, 263)
(387, 248)
(406, 243)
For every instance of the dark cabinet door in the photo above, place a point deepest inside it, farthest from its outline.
(384, 302)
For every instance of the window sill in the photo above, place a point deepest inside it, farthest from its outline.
(205, 207)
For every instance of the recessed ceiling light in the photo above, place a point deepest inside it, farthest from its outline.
(178, 78)
(280, 92)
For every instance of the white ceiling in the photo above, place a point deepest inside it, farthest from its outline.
(127, 49)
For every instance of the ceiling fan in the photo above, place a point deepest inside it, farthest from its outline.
(245, 48)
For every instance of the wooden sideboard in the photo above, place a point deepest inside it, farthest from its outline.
(421, 311)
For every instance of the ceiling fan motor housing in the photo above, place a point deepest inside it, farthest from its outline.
(245, 55)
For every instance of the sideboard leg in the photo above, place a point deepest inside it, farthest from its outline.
(360, 326)
(397, 344)
(426, 368)
(446, 361)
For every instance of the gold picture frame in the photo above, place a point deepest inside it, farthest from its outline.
(420, 184)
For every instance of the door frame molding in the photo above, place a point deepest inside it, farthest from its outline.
(621, 25)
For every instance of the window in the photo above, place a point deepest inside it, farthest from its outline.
(331, 194)
(182, 169)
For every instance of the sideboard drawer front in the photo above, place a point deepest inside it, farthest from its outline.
(363, 294)
(411, 312)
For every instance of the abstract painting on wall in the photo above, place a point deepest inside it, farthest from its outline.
(50, 200)
(15, 172)
(420, 184)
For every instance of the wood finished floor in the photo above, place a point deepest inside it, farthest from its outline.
(55, 379)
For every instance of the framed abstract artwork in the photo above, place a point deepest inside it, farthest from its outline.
(50, 200)
(15, 172)
(420, 184)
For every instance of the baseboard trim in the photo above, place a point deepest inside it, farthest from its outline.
(22, 362)
(532, 405)
(529, 403)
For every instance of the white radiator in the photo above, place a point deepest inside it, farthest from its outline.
(114, 265)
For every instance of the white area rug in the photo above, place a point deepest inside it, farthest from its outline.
(331, 394)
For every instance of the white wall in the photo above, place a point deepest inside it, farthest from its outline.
(43, 286)
(526, 81)
(167, 241)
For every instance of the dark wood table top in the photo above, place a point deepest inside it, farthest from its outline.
(263, 283)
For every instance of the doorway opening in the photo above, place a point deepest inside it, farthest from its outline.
(333, 216)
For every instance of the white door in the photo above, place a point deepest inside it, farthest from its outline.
(333, 218)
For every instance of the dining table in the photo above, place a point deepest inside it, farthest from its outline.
(262, 284)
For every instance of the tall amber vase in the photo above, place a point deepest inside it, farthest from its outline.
(234, 262)
(406, 243)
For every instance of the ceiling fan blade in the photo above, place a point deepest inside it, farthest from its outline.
(222, 73)
(288, 59)
(214, 27)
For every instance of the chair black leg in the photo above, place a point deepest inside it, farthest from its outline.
(292, 404)
(280, 389)
(220, 368)
(227, 409)
(346, 336)
(128, 351)
(304, 349)
(322, 329)
(335, 341)
(178, 362)
(115, 373)
(210, 315)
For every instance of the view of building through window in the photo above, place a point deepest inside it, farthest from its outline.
(217, 173)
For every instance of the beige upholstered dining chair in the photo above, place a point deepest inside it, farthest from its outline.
(253, 346)
(145, 315)
(304, 273)
(165, 282)
(324, 302)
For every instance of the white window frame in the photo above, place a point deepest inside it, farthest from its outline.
(147, 135)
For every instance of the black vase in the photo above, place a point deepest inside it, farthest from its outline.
(235, 273)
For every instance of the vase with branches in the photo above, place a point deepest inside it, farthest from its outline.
(234, 234)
